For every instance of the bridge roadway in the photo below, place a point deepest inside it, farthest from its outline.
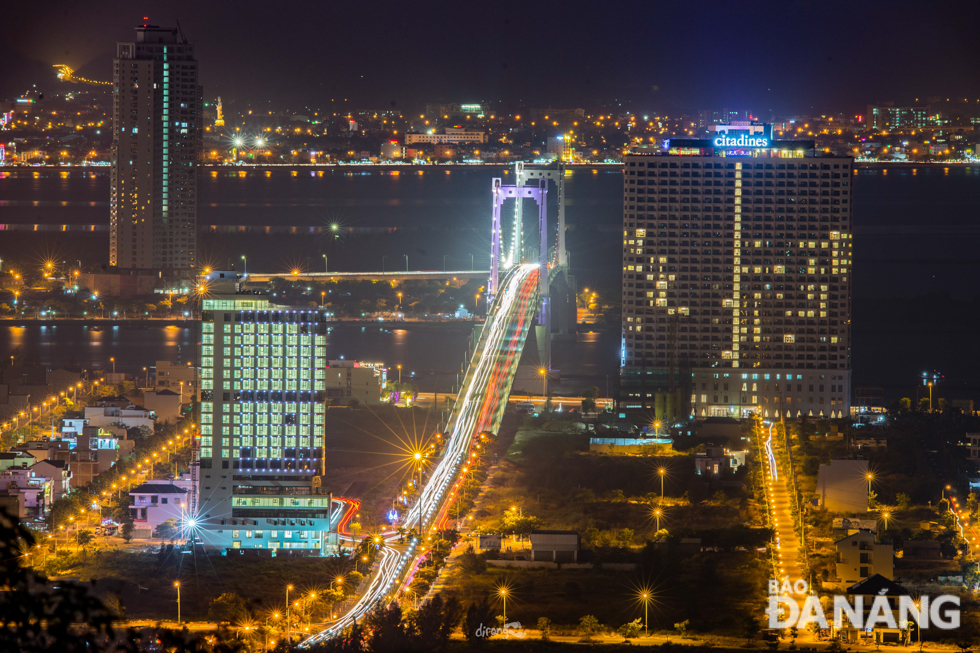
(479, 407)
(265, 277)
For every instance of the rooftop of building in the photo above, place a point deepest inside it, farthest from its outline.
(877, 585)
(158, 488)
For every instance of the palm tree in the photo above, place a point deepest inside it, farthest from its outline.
(83, 539)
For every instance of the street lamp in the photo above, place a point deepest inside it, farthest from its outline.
(288, 623)
(245, 265)
(657, 513)
(870, 478)
(399, 373)
(544, 381)
(661, 471)
(885, 517)
(503, 593)
(177, 585)
(645, 597)
(113, 361)
(418, 461)
(326, 263)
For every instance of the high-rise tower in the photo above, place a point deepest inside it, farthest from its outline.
(156, 143)
(737, 277)
(263, 382)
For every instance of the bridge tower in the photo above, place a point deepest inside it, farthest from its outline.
(532, 183)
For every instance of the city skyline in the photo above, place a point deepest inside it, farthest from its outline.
(348, 327)
(487, 55)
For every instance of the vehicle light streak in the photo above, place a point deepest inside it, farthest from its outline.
(478, 408)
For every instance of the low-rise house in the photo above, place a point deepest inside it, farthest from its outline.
(347, 380)
(843, 526)
(35, 489)
(490, 542)
(182, 379)
(869, 442)
(716, 460)
(16, 460)
(58, 472)
(165, 404)
(858, 557)
(98, 449)
(869, 589)
(129, 417)
(555, 546)
(973, 445)
(156, 501)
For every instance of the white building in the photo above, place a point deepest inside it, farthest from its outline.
(450, 136)
(156, 501)
(858, 558)
(129, 417)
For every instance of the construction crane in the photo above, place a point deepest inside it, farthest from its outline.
(67, 74)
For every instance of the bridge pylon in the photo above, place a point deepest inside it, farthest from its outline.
(532, 183)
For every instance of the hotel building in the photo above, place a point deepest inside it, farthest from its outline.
(263, 370)
(156, 143)
(737, 276)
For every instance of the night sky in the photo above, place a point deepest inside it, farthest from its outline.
(666, 57)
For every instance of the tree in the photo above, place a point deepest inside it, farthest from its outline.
(631, 629)
(625, 537)
(227, 608)
(166, 530)
(83, 539)
(127, 531)
(588, 403)
(387, 631)
(681, 627)
(38, 618)
(589, 626)
(750, 628)
(903, 501)
(477, 618)
(544, 625)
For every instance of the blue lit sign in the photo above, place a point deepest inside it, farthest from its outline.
(745, 140)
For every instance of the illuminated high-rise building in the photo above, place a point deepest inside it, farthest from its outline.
(263, 370)
(737, 277)
(156, 144)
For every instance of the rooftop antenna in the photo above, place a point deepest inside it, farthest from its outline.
(181, 32)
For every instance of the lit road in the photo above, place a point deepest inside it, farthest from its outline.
(478, 408)
(780, 498)
(429, 399)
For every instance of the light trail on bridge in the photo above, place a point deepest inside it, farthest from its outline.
(478, 408)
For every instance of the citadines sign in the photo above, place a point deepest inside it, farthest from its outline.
(745, 139)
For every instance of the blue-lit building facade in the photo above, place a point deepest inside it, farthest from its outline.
(737, 268)
(261, 454)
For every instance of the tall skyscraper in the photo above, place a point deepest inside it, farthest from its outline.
(737, 277)
(156, 143)
(263, 371)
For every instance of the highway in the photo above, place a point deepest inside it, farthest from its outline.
(478, 408)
